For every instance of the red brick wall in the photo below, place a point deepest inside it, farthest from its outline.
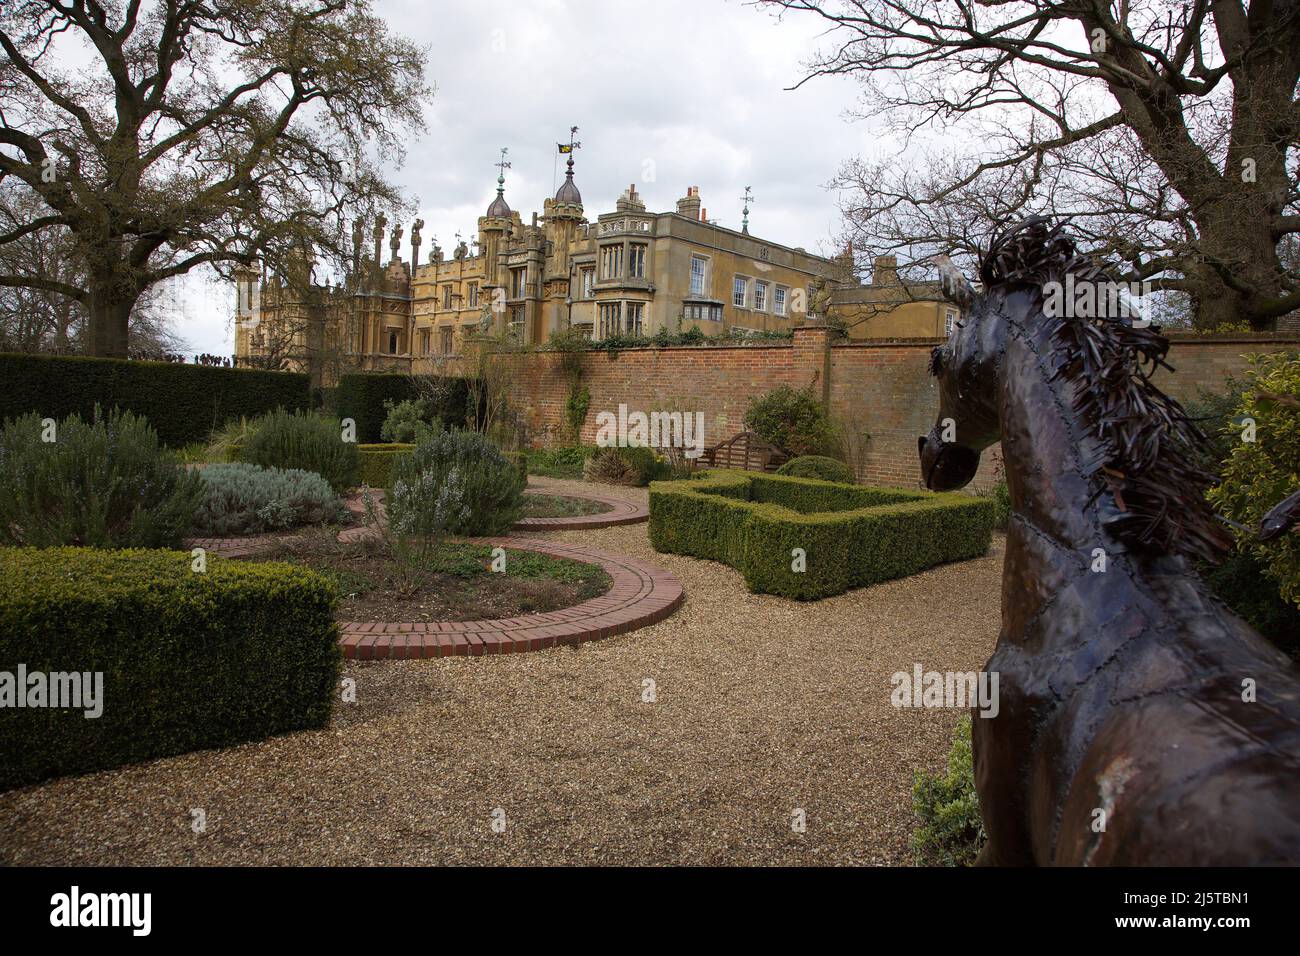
(883, 387)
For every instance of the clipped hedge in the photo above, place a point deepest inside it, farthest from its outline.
(184, 403)
(376, 462)
(189, 660)
(851, 536)
(361, 396)
(818, 466)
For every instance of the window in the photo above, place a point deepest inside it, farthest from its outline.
(778, 300)
(588, 280)
(949, 322)
(517, 321)
(446, 297)
(633, 318)
(740, 292)
(760, 296)
(392, 343)
(636, 260)
(611, 262)
(518, 283)
(700, 312)
(698, 267)
(610, 313)
(445, 339)
(425, 336)
(473, 295)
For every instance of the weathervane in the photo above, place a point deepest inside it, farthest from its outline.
(746, 199)
(503, 166)
(571, 145)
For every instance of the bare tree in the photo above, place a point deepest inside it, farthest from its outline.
(202, 132)
(1168, 130)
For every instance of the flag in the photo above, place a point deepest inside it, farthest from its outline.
(565, 147)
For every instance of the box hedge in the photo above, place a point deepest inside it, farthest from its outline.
(189, 660)
(851, 536)
(361, 396)
(377, 462)
(184, 403)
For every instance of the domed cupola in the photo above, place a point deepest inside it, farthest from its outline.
(500, 209)
(568, 192)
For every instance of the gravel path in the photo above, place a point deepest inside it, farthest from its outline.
(763, 706)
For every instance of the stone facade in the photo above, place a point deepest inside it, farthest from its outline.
(629, 272)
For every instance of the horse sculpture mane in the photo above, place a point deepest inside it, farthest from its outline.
(1139, 720)
(1148, 447)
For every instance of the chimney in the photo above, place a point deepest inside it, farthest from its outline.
(704, 215)
(689, 205)
(884, 271)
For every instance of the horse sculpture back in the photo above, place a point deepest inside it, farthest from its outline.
(1140, 721)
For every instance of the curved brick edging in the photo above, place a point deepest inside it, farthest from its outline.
(639, 595)
(621, 511)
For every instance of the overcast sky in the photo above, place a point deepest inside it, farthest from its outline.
(666, 94)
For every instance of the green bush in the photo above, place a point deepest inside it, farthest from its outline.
(1000, 494)
(850, 535)
(183, 403)
(792, 419)
(563, 462)
(951, 829)
(1259, 474)
(376, 462)
(1241, 583)
(632, 466)
(409, 421)
(303, 441)
(361, 396)
(227, 442)
(106, 484)
(189, 660)
(818, 466)
(455, 467)
(247, 499)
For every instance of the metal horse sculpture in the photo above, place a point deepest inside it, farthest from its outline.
(1140, 721)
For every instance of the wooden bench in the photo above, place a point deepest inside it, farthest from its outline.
(748, 451)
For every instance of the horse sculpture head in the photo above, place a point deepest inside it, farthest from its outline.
(1136, 445)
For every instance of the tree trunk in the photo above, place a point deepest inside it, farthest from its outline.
(109, 317)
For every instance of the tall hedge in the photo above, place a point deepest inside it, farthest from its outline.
(189, 659)
(850, 536)
(361, 396)
(183, 403)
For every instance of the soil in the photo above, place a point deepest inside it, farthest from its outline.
(562, 506)
(458, 583)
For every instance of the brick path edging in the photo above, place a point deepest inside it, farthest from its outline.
(245, 547)
(621, 511)
(639, 595)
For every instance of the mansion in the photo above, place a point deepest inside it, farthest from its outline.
(630, 272)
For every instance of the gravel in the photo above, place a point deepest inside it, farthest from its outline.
(763, 707)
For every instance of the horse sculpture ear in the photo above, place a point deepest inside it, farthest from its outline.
(936, 361)
(956, 287)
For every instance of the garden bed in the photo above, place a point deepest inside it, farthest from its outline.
(562, 506)
(459, 584)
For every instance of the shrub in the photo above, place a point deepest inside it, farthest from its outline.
(460, 463)
(849, 535)
(189, 661)
(106, 484)
(248, 499)
(305, 442)
(361, 396)
(818, 466)
(563, 462)
(183, 403)
(632, 466)
(409, 421)
(1259, 474)
(1241, 583)
(376, 462)
(792, 419)
(951, 829)
(228, 441)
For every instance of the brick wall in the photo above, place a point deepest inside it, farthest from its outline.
(880, 387)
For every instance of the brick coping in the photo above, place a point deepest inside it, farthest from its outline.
(639, 595)
(621, 512)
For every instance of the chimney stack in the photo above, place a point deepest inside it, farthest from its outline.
(884, 271)
(689, 205)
